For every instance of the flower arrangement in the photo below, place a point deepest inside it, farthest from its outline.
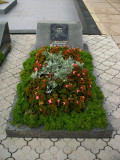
(59, 82)
(58, 90)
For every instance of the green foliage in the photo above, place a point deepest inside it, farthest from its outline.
(2, 57)
(92, 116)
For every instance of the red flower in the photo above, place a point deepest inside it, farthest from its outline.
(63, 103)
(36, 93)
(49, 101)
(74, 72)
(37, 97)
(38, 87)
(58, 101)
(67, 86)
(75, 64)
(36, 69)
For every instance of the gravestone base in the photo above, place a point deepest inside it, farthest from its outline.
(25, 131)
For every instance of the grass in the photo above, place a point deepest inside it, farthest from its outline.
(93, 116)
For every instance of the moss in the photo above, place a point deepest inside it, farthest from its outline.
(93, 116)
(2, 57)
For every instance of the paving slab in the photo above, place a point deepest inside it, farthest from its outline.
(106, 14)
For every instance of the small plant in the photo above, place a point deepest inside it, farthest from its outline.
(2, 57)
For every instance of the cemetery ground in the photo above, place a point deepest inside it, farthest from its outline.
(106, 60)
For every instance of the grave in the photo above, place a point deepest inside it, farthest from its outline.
(5, 40)
(53, 33)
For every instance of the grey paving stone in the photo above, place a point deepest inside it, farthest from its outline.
(47, 155)
(54, 139)
(18, 155)
(34, 143)
(116, 113)
(114, 99)
(106, 76)
(60, 155)
(94, 145)
(67, 150)
(12, 148)
(110, 87)
(8, 142)
(26, 149)
(32, 155)
(61, 144)
(40, 149)
(47, 143)
(109, 154)
(73, 144)
(67, 139)
(53, 149)
(20, 142)
(4, 154)
(81, 153)
(115, 142)
(10, 158)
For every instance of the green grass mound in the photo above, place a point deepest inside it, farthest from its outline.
(66, 99)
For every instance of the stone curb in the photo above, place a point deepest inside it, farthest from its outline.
(25, 131)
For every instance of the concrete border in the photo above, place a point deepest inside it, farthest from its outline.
(4, 8)
(25, 131)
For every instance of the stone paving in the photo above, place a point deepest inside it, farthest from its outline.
(106, 59)
(106, 14)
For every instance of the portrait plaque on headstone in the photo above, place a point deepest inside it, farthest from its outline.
(59, 34)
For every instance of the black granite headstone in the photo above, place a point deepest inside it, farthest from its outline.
(4, 34)
(5, 40)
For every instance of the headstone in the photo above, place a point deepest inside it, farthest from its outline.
(59, 34)
(4, 38)
(4, 33)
